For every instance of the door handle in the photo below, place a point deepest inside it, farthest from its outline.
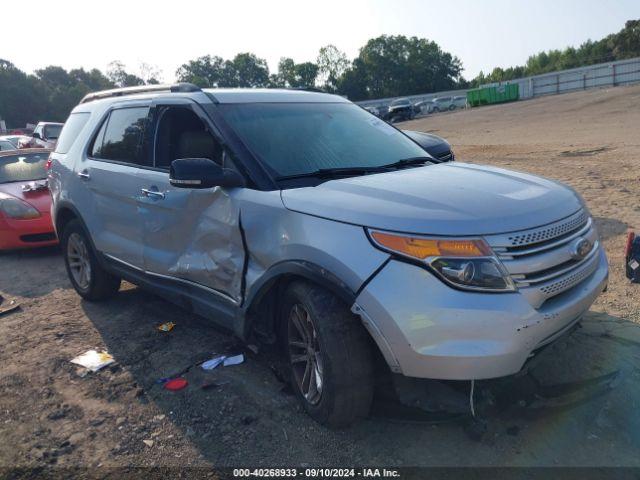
(84, 175)
(152, 193)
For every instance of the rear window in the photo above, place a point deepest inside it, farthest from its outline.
(120, 137)
(23, 167)
(52, 132)
(71, 130)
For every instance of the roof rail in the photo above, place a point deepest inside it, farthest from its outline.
(121, 92)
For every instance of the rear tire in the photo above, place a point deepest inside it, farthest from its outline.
(88, 277)
(336, 350)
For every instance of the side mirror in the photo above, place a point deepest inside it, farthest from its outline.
(202, 173)
(36, 135)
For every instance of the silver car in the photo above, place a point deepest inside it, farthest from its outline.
(301, 217)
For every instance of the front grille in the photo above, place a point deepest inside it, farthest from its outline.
(566, 283)
(541, 260)
(550, 232)
(38, 237)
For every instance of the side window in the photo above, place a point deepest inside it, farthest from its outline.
(181, 134)
(121, 136)
(38, 130)
(72, 127)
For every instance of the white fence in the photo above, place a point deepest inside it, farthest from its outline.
(610, 74)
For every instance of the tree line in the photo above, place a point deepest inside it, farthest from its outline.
(386, 66)
(617, 46)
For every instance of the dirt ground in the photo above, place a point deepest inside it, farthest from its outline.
(584, 410)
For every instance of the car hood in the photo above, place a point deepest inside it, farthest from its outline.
(39, 199)
(444, 199)
(427, 139)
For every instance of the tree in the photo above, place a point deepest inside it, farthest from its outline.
(245, 71)
(617, 46)
(332, 64)
(295, 75)
(21, 96)
(150, 74)
(353, 82)
(206, 71)
(390, 66)
(120, 78)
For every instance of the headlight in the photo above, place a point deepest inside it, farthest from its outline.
(16, 208)
(465, 263)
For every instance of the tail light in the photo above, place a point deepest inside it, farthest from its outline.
(630, 237)
(47, 166)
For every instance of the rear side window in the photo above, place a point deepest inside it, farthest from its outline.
(70, 131)
(121, 136)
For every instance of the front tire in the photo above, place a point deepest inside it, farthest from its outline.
(329, 355)
(88, 277)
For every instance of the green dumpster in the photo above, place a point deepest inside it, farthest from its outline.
(490, 95)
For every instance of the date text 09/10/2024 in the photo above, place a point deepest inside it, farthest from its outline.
(316, 472)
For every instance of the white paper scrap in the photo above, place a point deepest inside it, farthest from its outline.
(236, 360)
(93, 360)
(213, 363)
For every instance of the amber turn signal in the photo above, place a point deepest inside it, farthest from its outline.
(422, 248)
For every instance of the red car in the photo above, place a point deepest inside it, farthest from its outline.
(25, 202)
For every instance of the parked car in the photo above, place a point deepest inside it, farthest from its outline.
(25, 202)
(45, 135)
(6, 145)
(399, 110)
(301, 217)
(436, 146)
(421, 107)
(459, 101)
(14, 139)
(441, 104)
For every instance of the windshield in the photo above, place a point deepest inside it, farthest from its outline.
(52, 131)
(402, 101)
(297, 138)
(23, 167)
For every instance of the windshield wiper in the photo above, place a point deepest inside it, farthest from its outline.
(408, 161)
(334, 172)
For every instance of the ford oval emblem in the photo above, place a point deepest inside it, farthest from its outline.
(580, 248)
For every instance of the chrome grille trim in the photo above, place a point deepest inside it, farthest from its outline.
(539, 234)
(520, 280)
(555, 288)
(540, 260)
(548, 246)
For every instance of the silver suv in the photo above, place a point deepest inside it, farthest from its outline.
(301, 217)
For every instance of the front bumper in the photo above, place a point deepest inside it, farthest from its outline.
(37, 232)
(426, 329)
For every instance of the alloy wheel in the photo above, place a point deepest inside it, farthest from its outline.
(78, 259)
(304, 354)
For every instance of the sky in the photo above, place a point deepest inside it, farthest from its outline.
(482, 33)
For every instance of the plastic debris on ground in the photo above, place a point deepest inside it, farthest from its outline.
(223, 360)
(166, 327)
(176, 384)
(8, 305)
(235, 360)
(93, 360)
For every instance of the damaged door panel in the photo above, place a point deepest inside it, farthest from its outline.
(193, 235)
(189, 235)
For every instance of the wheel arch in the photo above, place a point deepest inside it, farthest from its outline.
(66, 212)
(261, 304)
